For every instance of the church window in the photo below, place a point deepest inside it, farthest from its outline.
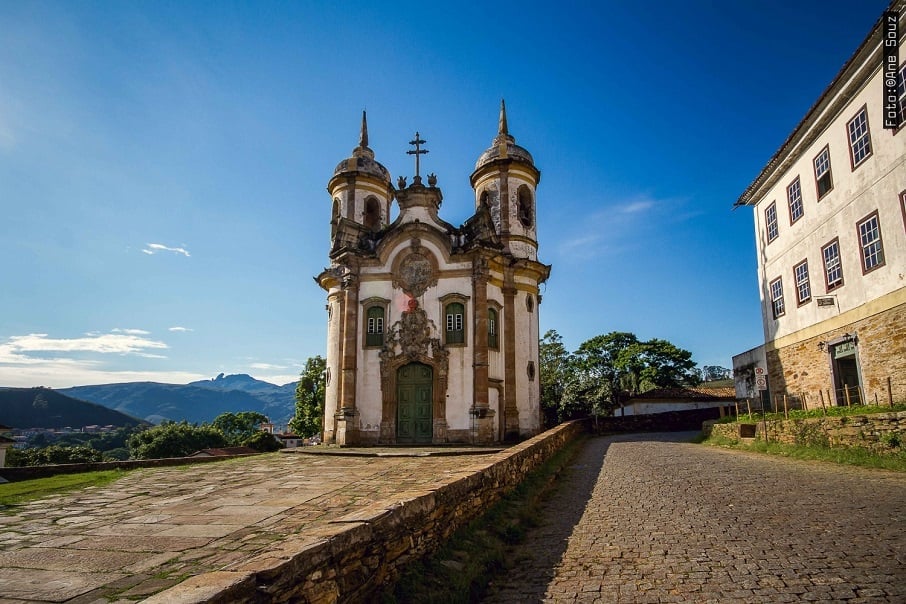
(823, 179)
(524, 206)
(374, 334)
(455, 322)
(334, 217)
(493, 340)
(530, 371)
(530, 303)
(372, 215)
(327, 377)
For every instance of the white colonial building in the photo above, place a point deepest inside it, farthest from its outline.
(432, 328)
(830, 232)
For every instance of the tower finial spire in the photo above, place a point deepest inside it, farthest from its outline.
(502, 126)
(363, 135)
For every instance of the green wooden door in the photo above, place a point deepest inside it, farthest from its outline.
(414, 420)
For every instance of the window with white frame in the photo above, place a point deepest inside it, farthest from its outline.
(859, 138)
(870, 242)
(374, 333)
(833, 269)
(777, 297)
(455, 323)
(794, 197)
(803, 287)
(770, 220)
(493, 340)
(901, 93)
(823, 179)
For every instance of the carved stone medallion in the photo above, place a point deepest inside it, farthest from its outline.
(415, 275)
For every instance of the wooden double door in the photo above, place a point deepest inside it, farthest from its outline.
(414, 410)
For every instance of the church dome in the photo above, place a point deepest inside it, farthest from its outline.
(506, 143)
(362, 160)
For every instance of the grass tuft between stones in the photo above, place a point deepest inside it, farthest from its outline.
(461, 570)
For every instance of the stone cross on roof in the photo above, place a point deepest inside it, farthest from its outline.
(417, 179)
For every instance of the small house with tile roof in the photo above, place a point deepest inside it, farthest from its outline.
(662, 400)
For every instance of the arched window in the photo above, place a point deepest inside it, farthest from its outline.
(372, 216)
(455, 321)
(334, 217)
(374, 328)
(493, 327)
(524, 209)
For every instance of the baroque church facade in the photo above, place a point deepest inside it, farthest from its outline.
(433, 329)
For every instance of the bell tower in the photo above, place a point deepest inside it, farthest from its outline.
(504, 180)
(360, 193)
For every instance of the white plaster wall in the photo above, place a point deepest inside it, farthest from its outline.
(527, 393)
(874, 185)
(332, 361)
(460, 378)
(741, 378)
(651, 408)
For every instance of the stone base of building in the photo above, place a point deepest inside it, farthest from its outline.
(808, 372)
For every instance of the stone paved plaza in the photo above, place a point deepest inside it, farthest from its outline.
(646, 518)
(156, 527)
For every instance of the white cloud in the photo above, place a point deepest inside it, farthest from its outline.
(177, 328)
(121, 343)
(133, 332)
(634, 207)
(153, 248)
(64, 373)
(267, 366)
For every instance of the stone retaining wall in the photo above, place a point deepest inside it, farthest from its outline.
(352, 557)
(30, 472)
(670, 421)
(878, 432)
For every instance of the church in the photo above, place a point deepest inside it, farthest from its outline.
(432, 333)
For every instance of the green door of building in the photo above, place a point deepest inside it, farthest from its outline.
(414, 421)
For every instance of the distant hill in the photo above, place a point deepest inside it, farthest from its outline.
(197, 402)
(45, 408)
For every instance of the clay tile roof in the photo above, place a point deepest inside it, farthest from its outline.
(223, 451)
(698, 394)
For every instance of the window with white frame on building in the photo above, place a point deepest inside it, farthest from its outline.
(859, 138)
(777, 297)
(901, 93)
(870, 242)
(493, 341)
(455, 313)
(770, 221)
(794, 197)
(803, 287)
(823, 179)
(833, 269)
(374, 333)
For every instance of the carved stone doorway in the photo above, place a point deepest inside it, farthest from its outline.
(414, 417)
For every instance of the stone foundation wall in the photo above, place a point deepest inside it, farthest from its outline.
(804, 367)
(671, 421)
(355, 555)
(876, 432)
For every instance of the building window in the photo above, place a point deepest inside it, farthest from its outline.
(493, 340)
(777, 297)
(455, 323)
(770, 220)
(823, 179)
(859, 138)
(903, 207)
(870, 242)
(901, 93)
(833, 269)
(794, 196)
(803, 287)
(371, 217)
(374, 332)
(529, 303)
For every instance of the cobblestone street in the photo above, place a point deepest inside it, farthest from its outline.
(647, 518)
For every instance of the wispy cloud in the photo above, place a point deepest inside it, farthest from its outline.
(635, 207)
(178, 329)
(131, 332)
(37, 359)
(267, 366)
(153, 248)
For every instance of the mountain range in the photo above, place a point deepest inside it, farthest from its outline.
(195, 402)
(45, 408)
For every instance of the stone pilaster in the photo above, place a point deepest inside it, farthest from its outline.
(484, 415)
(347, 414)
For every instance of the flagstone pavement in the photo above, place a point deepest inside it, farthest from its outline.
(155, 527)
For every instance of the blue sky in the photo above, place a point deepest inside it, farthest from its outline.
(163, 164)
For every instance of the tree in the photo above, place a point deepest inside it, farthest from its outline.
(239, 427)
(310, 394)
(172, 439)
(552, 375)
(54, 454)
(667, 366)
(711, 373)
(262, 441)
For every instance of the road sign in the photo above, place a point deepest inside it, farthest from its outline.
(761, 382)
(759, 371)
